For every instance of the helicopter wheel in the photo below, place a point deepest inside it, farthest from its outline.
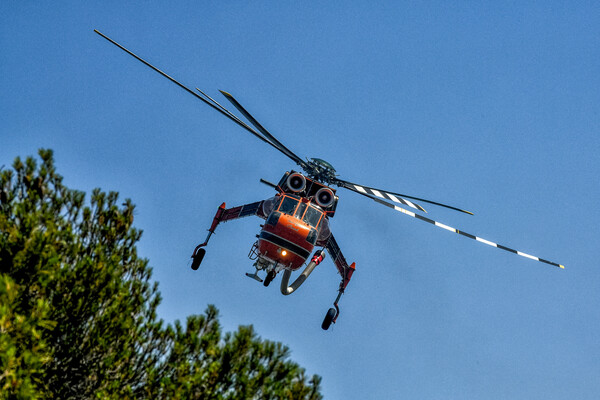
(197, 258)
(328, 318)
(269, 278)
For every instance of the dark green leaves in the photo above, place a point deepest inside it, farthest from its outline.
(78, 310)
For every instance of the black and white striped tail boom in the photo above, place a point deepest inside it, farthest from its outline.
(449, 228)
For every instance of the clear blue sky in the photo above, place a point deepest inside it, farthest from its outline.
(491, 107)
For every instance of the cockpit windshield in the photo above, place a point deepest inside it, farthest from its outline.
(300, 210)
(312, 216)
(288, 205)
(307, 212)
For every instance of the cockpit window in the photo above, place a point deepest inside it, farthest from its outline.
(288, 205)
(300, 210)
(270, 205)
(312, 216)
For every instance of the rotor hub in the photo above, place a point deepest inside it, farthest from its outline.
(320, 170)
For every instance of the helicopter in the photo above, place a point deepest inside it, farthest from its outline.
(297, 217)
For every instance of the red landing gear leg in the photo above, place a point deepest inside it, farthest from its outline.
(334, 313)
(199, 251)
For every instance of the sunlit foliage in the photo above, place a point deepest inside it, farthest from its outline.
(78, 309)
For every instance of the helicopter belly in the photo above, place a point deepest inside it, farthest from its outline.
(285, 242)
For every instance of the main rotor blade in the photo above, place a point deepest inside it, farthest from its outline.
(465, 234)
(396, 197)
(261, 129)
(229, 113)
(374, 193)
(218, 107)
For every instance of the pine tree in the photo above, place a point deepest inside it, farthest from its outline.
(78, 309)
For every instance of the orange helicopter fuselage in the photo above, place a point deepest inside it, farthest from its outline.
(291, 231)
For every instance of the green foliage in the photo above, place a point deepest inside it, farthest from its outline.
(78, 309)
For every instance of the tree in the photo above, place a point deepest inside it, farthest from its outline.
(78, 309)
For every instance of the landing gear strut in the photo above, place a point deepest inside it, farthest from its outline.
(332, 313)
(200, 251)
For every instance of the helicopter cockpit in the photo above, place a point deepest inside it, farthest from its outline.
(309, 213)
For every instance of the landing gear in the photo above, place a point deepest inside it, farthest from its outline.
(331, 314)
(254, 276)
(260, 265)
(270, 276)
(199, 251)
(197, 258)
